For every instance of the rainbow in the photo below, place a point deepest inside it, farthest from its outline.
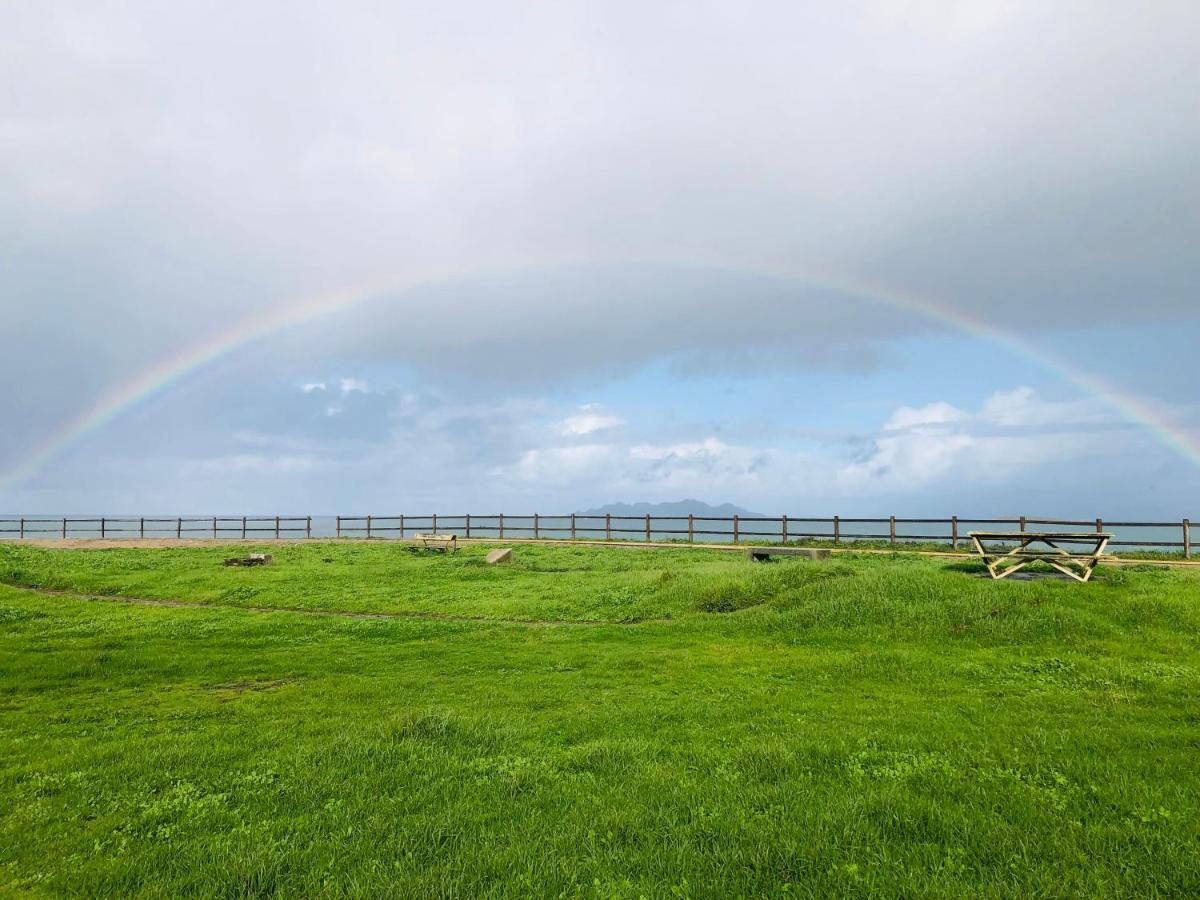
(161, 377)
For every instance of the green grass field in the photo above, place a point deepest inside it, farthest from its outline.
(592, 722)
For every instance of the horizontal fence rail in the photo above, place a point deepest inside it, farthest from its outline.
(157, 526)
(952, 532)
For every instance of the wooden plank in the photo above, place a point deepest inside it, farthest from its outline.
(1018, 535)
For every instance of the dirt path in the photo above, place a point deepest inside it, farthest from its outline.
(334, 613)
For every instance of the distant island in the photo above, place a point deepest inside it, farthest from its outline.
(675, 508)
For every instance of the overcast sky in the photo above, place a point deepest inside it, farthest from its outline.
(605, 251)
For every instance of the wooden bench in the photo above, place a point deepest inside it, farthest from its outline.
(761, 554)
(1006, 552)
(443, 542)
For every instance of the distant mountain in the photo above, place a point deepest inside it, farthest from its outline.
(677, 508)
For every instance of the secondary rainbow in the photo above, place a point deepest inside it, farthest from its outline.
(161, 377)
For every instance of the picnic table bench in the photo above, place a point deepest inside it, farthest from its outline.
(443, 542)
(1006, 552)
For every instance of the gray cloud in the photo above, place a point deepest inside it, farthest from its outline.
(571, 190)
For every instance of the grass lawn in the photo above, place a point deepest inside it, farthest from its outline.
(592, 722)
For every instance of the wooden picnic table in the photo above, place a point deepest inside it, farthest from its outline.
(1006, 552)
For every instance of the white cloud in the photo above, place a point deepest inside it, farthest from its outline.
(933, 414)
(589, 420)
(352, 385)
(1014, 433)
(708, 450)
(563, 465)
(314, 386)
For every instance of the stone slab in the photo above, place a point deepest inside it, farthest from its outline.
(757, 554)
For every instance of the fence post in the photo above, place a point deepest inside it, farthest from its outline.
(691, 528)
(837, 529)
(954, 532)
(243, 528)
(1187, 539)
(501, 526)
(785, 534)
(64, 524)
(142, 527)
(102, 526)
(339, 526)
(1099, 525)
(401, 524)
(891, 529)
(468, 528)
(214, 527)
(536, 530)
(1022, 523)
(433, 522)
(736, 528)
(22, 528)
(277, 528)
(368, 526)
(178, 528)
(308, 526)
(647, 527)
(608, 526)
(572, 526)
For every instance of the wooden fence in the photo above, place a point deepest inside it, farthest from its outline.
(892, 530)
(738, 529)
(159, 527)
